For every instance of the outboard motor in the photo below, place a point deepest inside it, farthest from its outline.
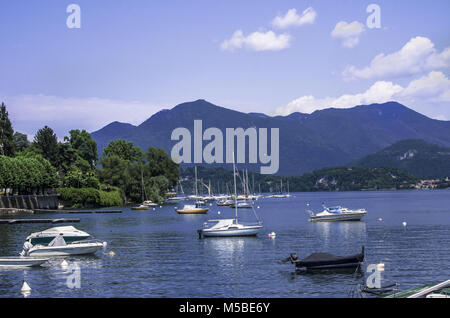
(26, 246)
(293, 258)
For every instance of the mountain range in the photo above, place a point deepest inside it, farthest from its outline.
(325, 138)
(417, 157)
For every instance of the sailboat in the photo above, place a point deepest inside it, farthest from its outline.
(196, 208)
(280, 195)
(145, 204)
(230, 227)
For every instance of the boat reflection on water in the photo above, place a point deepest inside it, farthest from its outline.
(340, 232)
(229, 251)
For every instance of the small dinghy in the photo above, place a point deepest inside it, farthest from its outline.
(59, 247)
(21, 261)
(325, 261)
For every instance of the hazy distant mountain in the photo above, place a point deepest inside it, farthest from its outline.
(325, 138)
(418, 157)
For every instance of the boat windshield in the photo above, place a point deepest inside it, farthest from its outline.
(335, 209)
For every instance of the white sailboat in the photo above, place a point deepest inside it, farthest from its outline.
(230, 227)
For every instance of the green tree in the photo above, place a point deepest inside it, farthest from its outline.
(7, 144)
(21, 141)
(159, 163)
(46, 144)
(86, 147)
(124, 150)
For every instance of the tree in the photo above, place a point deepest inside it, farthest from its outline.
(46, 144)
(124, 150)
(7, 144)
(160, 164)
(21, 141)
(86, 147)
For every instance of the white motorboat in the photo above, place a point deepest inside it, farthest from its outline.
(337, 213)
(192, 209)
(149, 203)
(230, 227)
(59, 247)
(242, 204)
(21, 261)
(70, 234)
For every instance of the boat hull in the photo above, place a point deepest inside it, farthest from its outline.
(140, 208)
(336, 218)
(80, 249)
(231, 233)
(198, 211)
(21, 261)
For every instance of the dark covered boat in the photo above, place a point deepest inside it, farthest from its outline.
(324, 261)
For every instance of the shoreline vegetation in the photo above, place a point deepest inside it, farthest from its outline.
(71, 168)
(125, 174)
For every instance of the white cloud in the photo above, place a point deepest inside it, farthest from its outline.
(348, 33)
(418, 56)
(257, 41)
(291, 18)
(421, 94)
(28, 113)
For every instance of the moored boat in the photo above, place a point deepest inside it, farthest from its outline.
(21, 261)
(325, 261)
(337, 213)
(140, 207)
(192, 209)
(70, 234)
(59, 247)
(230, 227)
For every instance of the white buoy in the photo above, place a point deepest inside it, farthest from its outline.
(404, 224)
(111, 253)
(25, 288)
(380, 219)
(218, 212)
(153, 209)
(258, 206)
(272, 235)
(64, 264)
(160, 206)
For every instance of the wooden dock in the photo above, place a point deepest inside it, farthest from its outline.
(53, 221)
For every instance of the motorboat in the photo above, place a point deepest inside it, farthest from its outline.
(225, 203)
(140, 207)
(337, 213)
(228, 227)
(192, 209)
(70, 234)
(59, 247)
(21, 261)
(149, 203)
(325, 261)
(242, 204)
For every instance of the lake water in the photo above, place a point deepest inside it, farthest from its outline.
(158, 253)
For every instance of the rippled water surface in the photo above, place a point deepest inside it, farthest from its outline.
(158, 253)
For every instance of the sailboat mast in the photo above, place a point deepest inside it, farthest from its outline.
(195, 185)
(235, 189)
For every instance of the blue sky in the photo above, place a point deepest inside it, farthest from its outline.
(131, 58)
